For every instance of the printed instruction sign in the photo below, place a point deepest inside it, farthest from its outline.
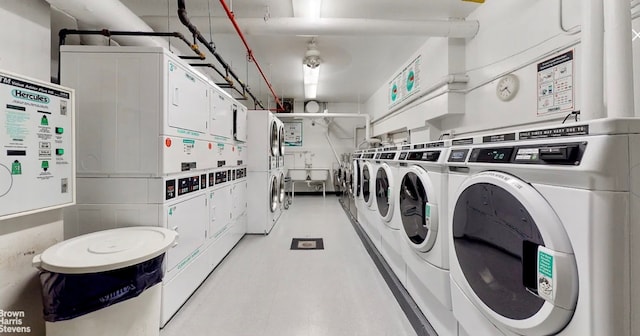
(36, 145)
(555, 84)
(293, 134)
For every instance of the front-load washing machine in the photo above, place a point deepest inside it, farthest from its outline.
(385, 199)
(264, 210)
(421, 206)
(356, 188)
(369, 214)
(542, 231)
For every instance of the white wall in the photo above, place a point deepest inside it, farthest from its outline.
(25, 38)
(514, 36)
(439, 57)
(315, 149)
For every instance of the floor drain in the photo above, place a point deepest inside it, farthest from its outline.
(307, 244)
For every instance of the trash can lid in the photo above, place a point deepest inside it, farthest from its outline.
(106, 250)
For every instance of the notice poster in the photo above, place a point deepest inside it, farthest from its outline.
(293, 134)
(555, 84)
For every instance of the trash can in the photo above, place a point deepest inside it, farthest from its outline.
(105, 283)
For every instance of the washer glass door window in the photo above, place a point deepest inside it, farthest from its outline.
(273, 193)
(275, 139)
(514, 253)
(366, 183)
(281, 189)
(382, 191)
(417, 209)
(356, 171)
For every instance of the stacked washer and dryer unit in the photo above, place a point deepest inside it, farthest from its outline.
(266, 171)
(157, 146)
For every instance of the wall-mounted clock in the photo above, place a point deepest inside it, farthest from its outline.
(507, 87)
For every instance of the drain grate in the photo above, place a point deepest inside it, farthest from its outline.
(307, 244)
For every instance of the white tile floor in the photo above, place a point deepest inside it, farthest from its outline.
(263, 288)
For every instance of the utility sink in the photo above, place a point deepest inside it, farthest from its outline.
(313, 174)
(319, 175)
(298, 174)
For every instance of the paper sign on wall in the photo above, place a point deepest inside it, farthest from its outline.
(555, 84)
(293, 134)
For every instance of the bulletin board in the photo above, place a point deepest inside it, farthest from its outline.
(293, 134)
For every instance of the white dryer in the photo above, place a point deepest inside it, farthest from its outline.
(281, 144)
(421, 207)
(541, 231)
(264, 210)
(369, 215)
(263, 141)
(385, 199)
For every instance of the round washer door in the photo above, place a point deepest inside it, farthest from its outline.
(366, 183)
(273, 192)
(384, 192)
(281, 141)
(516, 258)
(418, 209)
(356, 173)
(281, 189)
(274, 139)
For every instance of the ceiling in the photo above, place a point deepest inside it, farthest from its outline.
(353, 66)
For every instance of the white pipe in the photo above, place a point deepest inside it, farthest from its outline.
(366, 117)
(619, 63)
(109, 14)
(326, 134)
(446, 80)
(334, 26)
(592, 83)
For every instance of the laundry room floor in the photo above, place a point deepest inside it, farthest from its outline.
(264, 288)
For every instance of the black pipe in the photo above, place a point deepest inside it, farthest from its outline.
(63, 33)
(209, 65)
(184, 19)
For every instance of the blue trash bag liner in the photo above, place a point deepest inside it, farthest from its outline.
(67, 296)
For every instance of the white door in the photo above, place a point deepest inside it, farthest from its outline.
(188, 105)
(189, 219)
(219, 211)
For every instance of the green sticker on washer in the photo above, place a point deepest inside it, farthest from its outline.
(427, 211)
(545, 264)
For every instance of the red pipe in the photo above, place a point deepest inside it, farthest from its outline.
(250, 52)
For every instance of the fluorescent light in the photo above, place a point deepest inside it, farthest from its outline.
(311, 77)
(310, 91)
(314, 9)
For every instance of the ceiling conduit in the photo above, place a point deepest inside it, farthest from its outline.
(184, 18)
(249, 52)
(454, 28)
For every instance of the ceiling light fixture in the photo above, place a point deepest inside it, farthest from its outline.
(311, 70)
(314, 9)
